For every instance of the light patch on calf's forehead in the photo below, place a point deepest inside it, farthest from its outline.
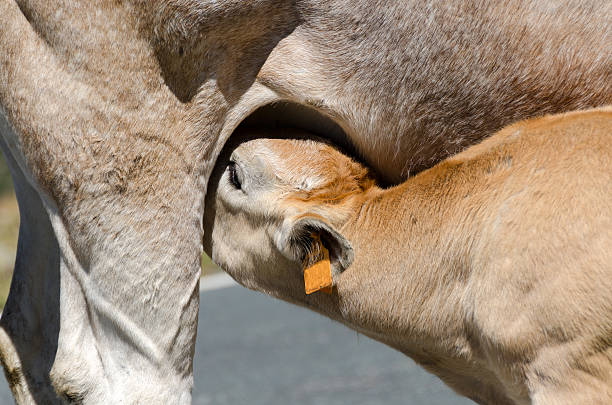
(301, 172)
(309, 183)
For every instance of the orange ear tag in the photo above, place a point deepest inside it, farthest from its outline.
(318, 276)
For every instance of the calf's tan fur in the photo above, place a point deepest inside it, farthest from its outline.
(493, 269)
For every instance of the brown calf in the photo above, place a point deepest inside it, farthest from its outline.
(493, 269)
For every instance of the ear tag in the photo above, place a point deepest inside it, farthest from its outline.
(317, 276)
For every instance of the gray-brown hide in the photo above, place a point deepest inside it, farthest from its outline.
(114, 113)
(492, 269)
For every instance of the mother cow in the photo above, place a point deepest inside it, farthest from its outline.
(115, 111)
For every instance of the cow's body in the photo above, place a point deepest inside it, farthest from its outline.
(491, 269)
(116, 111)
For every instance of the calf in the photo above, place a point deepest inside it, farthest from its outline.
(493, 269)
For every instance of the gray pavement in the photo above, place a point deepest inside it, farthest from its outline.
(253, 349)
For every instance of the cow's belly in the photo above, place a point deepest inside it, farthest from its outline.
(405, 105)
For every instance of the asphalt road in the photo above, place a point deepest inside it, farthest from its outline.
(252, 350)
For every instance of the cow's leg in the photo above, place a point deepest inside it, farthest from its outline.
(27, 345)
(107, 178)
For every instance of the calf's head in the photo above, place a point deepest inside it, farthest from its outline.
(271, 200)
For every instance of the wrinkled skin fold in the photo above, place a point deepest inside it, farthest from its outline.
(113, 114)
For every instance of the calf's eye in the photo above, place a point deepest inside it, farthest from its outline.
(234, 177)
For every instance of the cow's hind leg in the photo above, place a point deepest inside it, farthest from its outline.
(29, 326)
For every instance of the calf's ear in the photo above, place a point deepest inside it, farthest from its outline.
(300, 235)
